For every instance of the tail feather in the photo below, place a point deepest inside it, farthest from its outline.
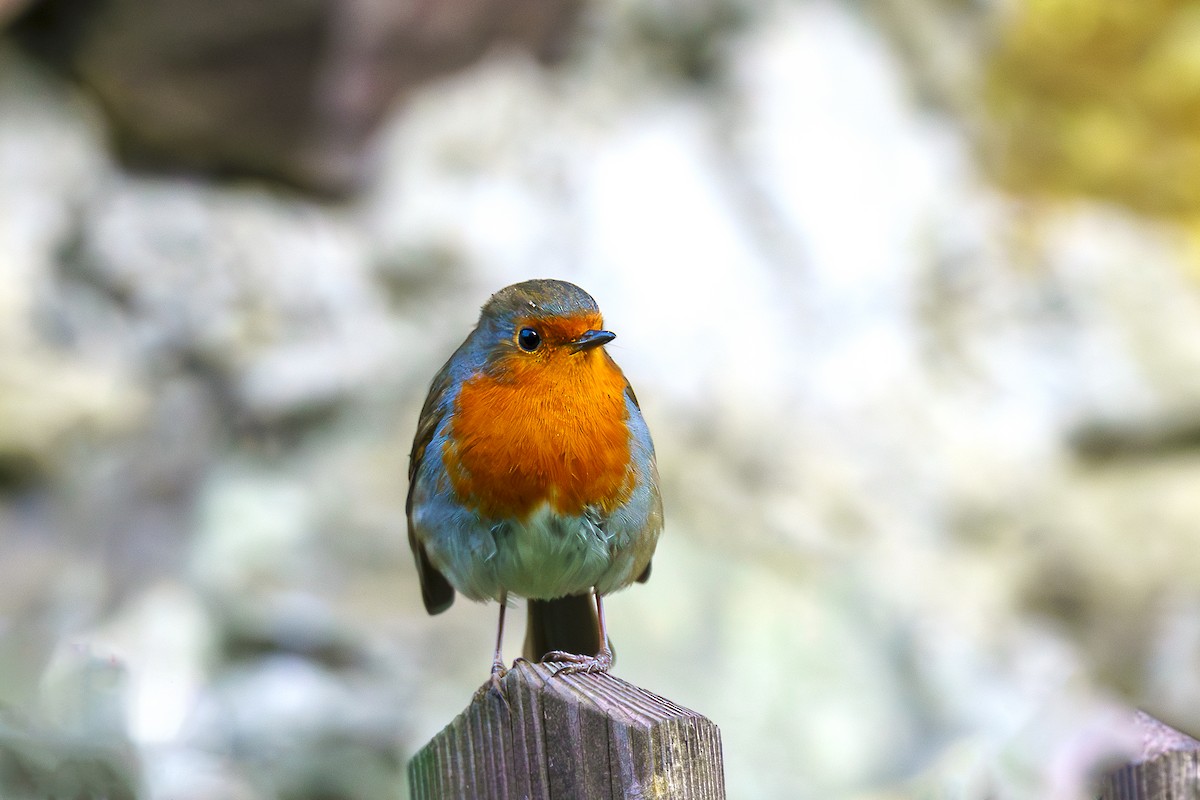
(566, 623)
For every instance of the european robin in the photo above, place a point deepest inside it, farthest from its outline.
(533, 474)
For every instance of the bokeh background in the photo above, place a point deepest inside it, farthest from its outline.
(907, 289)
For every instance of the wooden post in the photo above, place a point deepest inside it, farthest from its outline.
(1168, 768)
(561, 737)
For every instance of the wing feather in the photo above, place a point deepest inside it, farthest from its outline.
(436, 591)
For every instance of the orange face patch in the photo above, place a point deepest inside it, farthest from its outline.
(548, 426)
(561, 330)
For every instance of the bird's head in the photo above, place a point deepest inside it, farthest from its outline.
(542, 325)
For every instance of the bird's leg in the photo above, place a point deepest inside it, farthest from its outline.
(498, 669)
(601, 662)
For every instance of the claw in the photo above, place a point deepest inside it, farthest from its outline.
(498, 672)
(577, 663)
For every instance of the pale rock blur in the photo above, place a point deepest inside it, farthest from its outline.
(928, 448)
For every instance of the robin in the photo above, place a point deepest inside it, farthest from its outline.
(532, 474)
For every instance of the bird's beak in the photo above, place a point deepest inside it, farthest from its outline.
(592, 339)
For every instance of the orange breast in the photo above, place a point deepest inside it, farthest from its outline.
(541, 430)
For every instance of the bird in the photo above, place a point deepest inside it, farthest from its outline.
(533, 474)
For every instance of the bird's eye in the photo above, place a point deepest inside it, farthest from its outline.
(528, 339)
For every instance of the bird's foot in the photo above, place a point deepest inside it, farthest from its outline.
(498, 672)
(577, 663)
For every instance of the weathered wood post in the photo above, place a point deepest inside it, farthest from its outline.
(1168, 767)
(560, 737)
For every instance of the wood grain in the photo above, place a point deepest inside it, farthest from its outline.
(560, 737)
(1168, 767)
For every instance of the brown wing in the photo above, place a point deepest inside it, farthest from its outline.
(436, 591)
(645, 576)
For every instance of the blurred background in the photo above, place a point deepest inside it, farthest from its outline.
(907, 289)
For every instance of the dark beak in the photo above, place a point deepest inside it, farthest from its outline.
(592, 339)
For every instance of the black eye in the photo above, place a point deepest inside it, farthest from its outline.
(528, 339)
